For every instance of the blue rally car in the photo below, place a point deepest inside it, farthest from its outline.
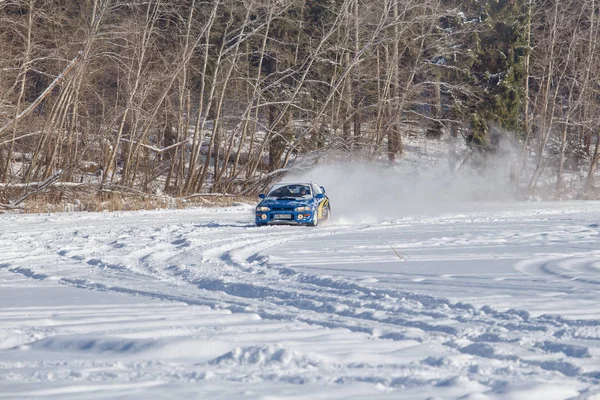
(293, 203)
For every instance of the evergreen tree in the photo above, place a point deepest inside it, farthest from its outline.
(495, 64)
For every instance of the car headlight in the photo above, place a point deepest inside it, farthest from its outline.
(303, 208)
(263, 208)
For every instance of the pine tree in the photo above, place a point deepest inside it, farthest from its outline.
(497, 47)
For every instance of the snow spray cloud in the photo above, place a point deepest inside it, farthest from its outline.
(371, 191)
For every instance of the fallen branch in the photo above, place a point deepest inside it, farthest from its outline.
(35, 188)
(124, 190)
(9, 207)
(400, 256)
(20, 137)
(156, 149)
(208, 195)
(66, 185)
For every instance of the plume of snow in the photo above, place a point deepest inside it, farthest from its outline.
(363, 190)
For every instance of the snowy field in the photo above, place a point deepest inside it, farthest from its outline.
(483, 301)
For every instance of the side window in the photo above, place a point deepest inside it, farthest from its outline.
(316, 189)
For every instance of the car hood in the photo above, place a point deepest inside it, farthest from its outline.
(269, 202)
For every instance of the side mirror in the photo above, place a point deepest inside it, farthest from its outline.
(320, 196)
(322, 189)
(261, 196)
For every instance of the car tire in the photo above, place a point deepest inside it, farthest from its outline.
(315, 220)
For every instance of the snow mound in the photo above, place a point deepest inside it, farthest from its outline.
(89, 344)
(265, 356)
(567, 349)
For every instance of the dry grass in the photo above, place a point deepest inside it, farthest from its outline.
(74, 201)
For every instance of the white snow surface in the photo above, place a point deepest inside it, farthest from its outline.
(491, 301)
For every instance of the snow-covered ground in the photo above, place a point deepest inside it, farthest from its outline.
(485, 301)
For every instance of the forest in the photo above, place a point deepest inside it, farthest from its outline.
(192, 97)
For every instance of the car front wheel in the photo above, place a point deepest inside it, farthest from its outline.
(315, 220)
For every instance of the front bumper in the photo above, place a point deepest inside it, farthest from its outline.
(285, 217)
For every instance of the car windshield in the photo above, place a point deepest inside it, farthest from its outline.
(290, 191)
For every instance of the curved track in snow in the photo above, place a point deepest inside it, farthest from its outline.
(493, 304)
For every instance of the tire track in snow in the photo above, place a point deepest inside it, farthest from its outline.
(513, 320)
(307, 295)
(241, 278)
(583, 267)
(245, 254)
